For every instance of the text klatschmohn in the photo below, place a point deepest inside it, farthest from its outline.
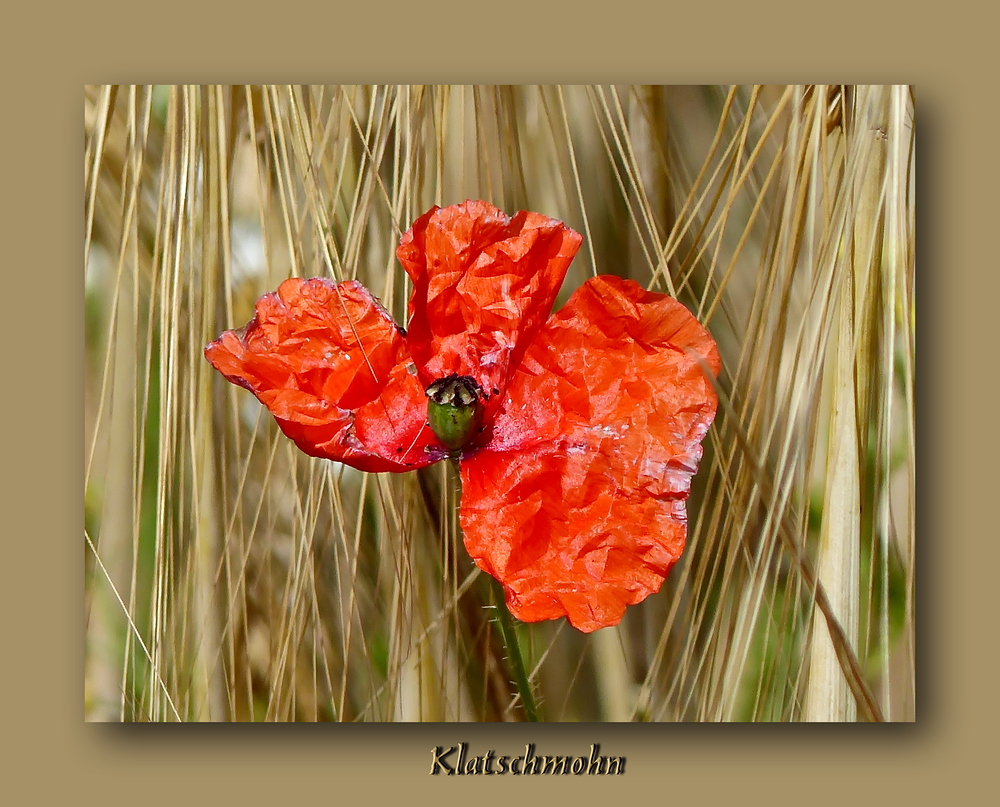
(457, 760)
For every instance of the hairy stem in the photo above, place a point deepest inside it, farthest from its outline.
(506, 625)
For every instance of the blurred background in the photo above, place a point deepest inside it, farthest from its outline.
(231, 578)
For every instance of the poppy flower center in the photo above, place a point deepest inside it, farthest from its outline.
(454, 409)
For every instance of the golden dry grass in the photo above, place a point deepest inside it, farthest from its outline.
(229, 577)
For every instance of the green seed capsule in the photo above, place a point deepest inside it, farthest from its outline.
(454, 410)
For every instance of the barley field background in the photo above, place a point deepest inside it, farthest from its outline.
(229, 577)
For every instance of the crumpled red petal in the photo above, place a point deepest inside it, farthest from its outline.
(330, 364)
(484, 283)
(577, 505)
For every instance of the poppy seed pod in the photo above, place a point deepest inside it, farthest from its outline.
(454, 411)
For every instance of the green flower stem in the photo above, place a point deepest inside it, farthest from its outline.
(506, 625)
(503, 619)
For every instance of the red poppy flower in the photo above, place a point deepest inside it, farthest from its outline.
(577, 435)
